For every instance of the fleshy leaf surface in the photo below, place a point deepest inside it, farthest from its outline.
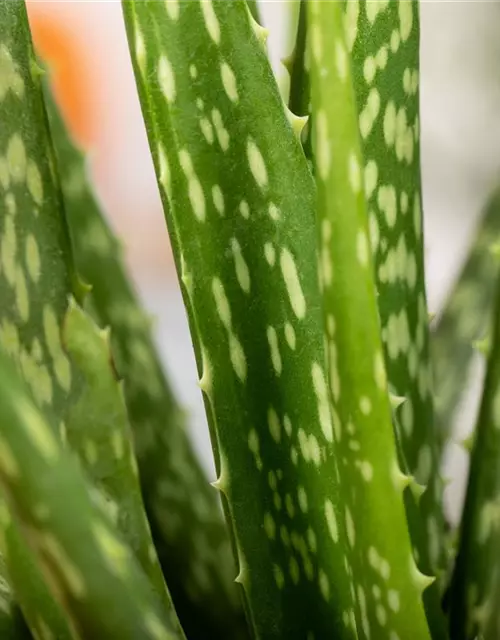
(380, 551)
(383, 38)
(91, 572)
(36, 275)
(240, 207)
(99, 432)
(475, 590)
(184, 511)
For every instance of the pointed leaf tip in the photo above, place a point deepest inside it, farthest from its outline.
(417, 489)
(297, 122)
(261, 32)
(396, 401)
(483, 345)
(420, 580)
(494, 249)
(467, 443)
(288, 62)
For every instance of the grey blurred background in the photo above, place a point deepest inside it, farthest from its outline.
(460, 125)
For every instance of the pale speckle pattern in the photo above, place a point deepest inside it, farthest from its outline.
(211, 20)
(274, 425)
(172, 7)
(218, 199)
(229, 82)
(331, 521)
(321, 391)
(242, 271)
(292, 283)
(272, 339)
(195, 190)
(166, 79)
(290, 336)
(257, 164)
(270, 253)
(244, 209)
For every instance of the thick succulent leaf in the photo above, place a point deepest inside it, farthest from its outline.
(383, 41)
(413, 494)
(383, 38)
(36, 272)
(475, 590)
(380, 547)
(36, 269)
(183, 509)
(91, 572)
(466, 318)
(239, 202)
(99, 432)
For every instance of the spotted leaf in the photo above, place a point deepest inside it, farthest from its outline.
(381, 556)
(465, 318)
(99, 432)
(90, 570)
(383, 38)
(239, 203)
(475, 589)
(36, 273)
(183, 509)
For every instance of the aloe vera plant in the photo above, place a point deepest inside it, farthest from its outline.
(299, 252)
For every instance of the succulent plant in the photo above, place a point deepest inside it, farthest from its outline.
(299, 250)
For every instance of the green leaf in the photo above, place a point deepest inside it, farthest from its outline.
(183, 509)
(383, 38)
(475, 589)
(380, 547)
(36, 274)
(91, 572)
(99, 432)
(239, 203)
(466, 318)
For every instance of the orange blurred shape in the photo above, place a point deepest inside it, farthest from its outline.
(55, 41)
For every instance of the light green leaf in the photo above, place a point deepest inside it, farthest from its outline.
(36, 273)
(91, 572)
(380, 548)
(383, 38)
(99, 432)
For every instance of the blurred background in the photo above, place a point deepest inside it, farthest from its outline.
(460, 100)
